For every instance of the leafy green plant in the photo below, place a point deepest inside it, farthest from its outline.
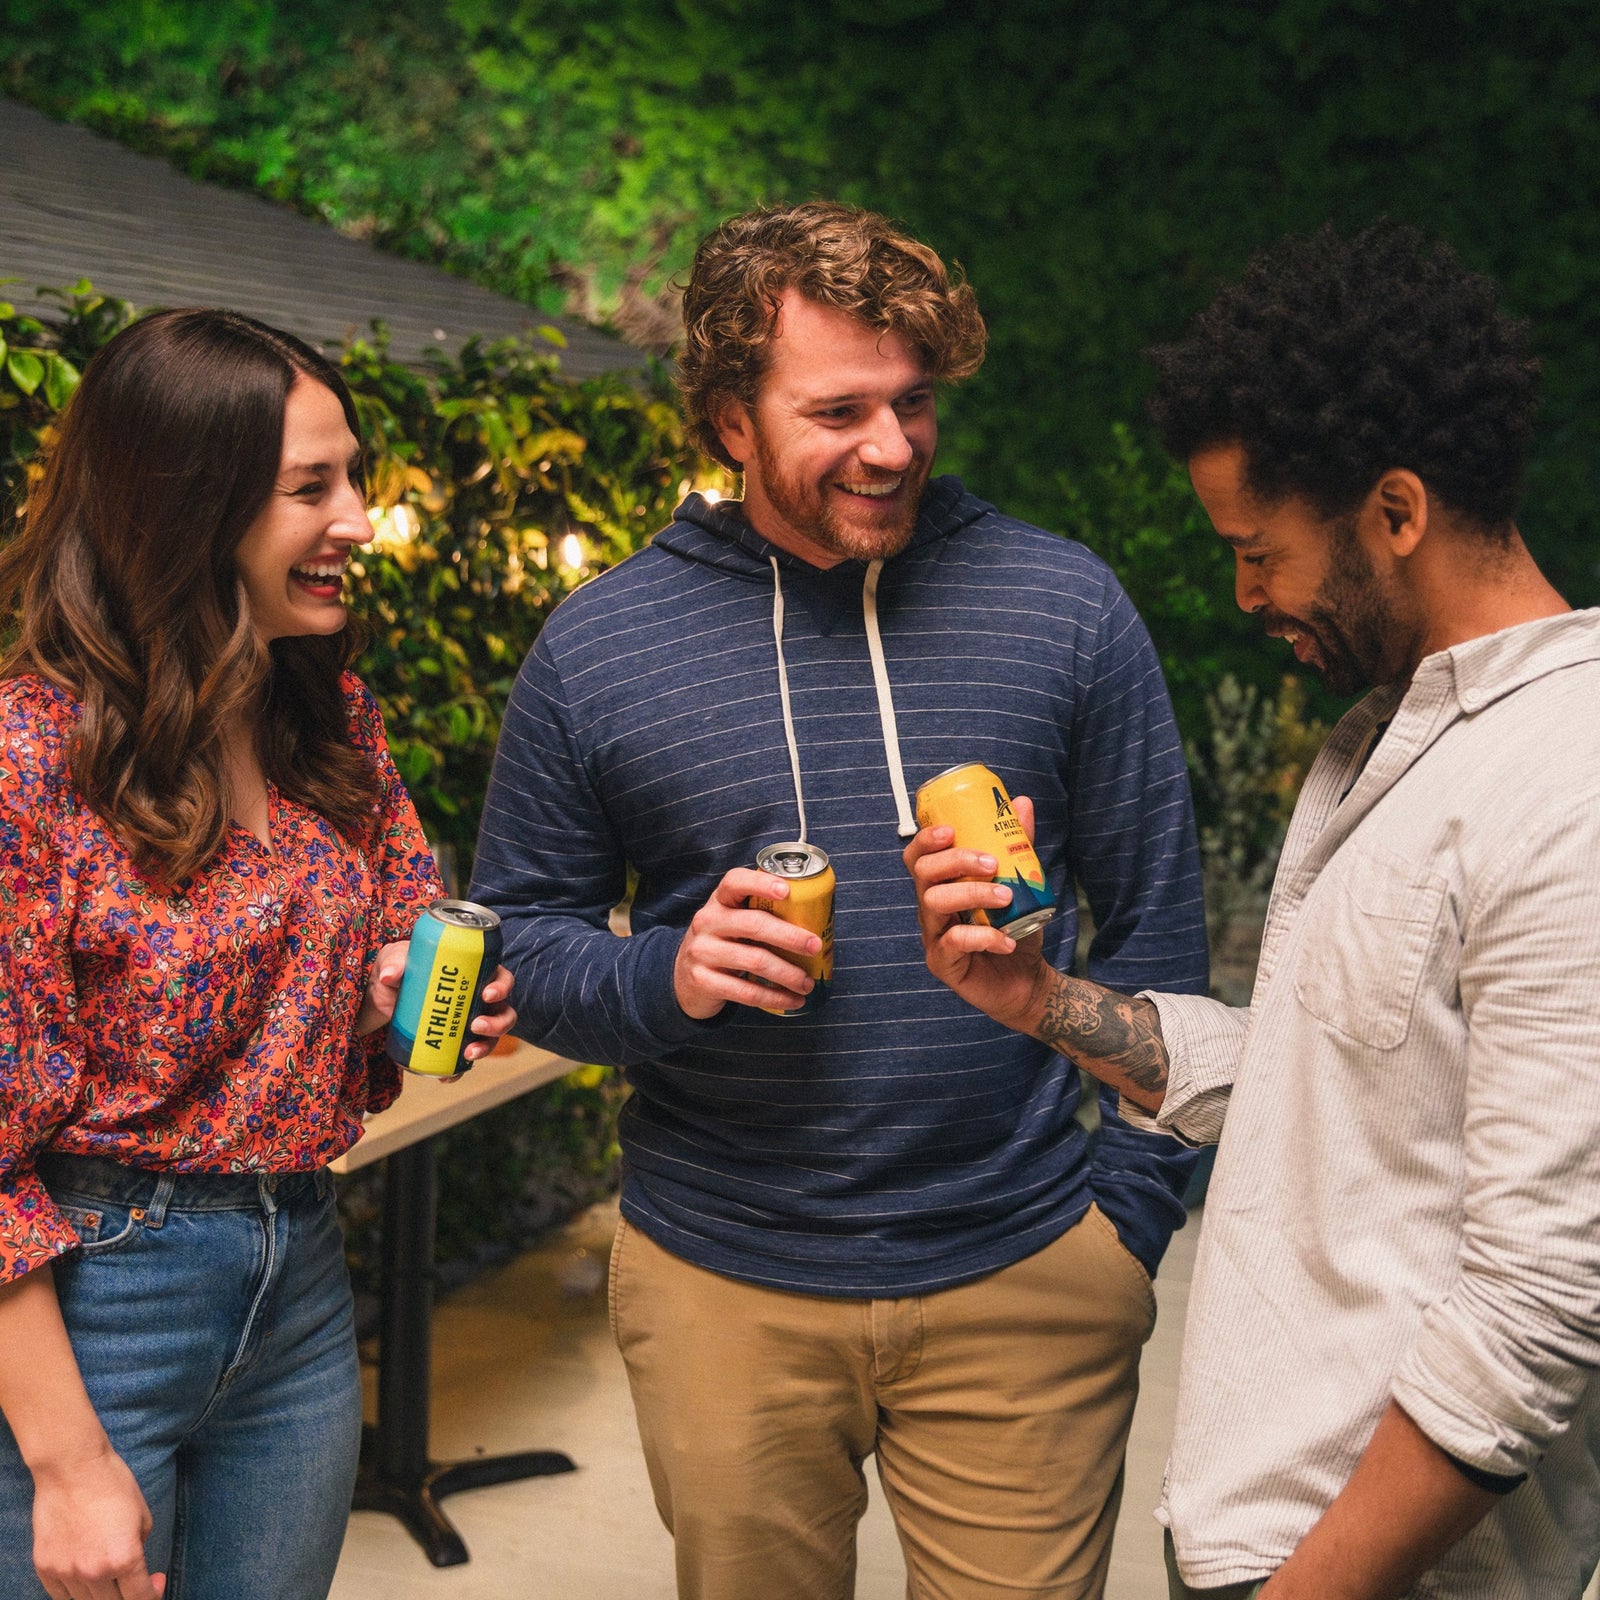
(572, 153)
(1247, 772)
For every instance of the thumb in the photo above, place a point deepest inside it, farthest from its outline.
(1023, 807)
(158, 1582)
(391, 964)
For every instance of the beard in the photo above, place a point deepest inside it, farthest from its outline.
(1358, 634)
(874, 532)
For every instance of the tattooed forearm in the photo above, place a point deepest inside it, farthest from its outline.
(1114, 1036)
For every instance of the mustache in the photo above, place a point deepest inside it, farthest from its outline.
(1279, 621)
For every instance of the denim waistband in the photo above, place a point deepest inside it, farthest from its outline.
(95, 1177)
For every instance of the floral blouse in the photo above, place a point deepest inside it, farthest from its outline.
(207, 1031)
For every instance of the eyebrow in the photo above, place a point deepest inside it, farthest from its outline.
(1242, 541)
(850, 399)
(292, 467)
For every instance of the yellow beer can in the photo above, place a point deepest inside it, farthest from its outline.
(972, 800)
(809, 905)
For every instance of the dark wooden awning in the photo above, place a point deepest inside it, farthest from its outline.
(76, 205)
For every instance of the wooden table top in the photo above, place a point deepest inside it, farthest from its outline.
(430, 1105)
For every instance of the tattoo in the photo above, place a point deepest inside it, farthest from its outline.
(1114, 1036)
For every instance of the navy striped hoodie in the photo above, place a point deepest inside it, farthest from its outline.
(899, 1141)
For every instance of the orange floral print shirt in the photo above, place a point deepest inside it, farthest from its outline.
(205, 1031)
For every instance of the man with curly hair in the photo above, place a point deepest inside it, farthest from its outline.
(1389, 1373)
(878, 1226)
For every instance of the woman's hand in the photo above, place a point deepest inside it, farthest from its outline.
(383, 993)
(90, 1523)
(383, 986)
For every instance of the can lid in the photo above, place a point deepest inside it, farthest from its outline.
(960, 766)
(464, 914)
(791, 859)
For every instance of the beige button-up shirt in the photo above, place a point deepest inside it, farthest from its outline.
(1406, 1201)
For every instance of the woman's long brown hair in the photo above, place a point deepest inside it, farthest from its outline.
(131, 602)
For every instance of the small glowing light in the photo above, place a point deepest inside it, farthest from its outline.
(572, 552)
(711, 496)
(393, 526)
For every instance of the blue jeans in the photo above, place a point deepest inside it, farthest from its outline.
(211, 1318)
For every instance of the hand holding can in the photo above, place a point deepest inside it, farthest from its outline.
(974, 802)
(809, 905)
(453, 960)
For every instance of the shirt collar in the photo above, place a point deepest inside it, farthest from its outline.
(1497, 664)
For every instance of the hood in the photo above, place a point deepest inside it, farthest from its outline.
(718, 536)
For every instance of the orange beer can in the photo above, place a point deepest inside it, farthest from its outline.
(972, 800)
(809, 905)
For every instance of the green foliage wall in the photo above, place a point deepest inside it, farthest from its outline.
(1096, 164)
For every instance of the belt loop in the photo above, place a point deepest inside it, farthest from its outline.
(156, 1212)
(324, 1183)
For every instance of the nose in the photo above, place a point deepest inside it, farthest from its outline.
(1248, 594)
(350, 524)
(885, 445)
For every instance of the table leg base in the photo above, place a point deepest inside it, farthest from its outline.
(416, 1505)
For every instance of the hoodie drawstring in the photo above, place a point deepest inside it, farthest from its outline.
(907, 824)
(783, 695)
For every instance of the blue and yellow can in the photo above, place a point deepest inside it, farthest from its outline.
(455, 951)
(973, 800)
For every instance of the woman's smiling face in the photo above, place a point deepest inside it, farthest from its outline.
(292, 558)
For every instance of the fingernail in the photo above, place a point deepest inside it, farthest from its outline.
(813, 946)
(988, 863)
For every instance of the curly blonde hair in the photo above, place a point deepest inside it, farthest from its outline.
(836, 255)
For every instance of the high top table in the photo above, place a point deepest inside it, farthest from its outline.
(397, 1474)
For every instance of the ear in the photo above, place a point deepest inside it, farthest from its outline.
(1397, 511)
(736, 430)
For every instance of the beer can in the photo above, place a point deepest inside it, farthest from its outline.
(972, 800)
(455, 952)
(808, 905)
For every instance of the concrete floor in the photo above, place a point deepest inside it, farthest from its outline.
(523, 1360)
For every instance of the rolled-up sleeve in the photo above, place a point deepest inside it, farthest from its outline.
(1500, 1362)
(1204, 1041)
(41, 1046)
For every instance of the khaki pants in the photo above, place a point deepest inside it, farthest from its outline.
(998, 1411)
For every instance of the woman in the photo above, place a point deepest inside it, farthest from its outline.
(207, 866)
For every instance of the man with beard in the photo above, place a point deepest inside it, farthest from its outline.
(1389, 1372)
(877, 1225)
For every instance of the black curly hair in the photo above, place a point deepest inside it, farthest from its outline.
(1331, 361)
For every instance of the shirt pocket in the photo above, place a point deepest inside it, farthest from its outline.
(1361, 971)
